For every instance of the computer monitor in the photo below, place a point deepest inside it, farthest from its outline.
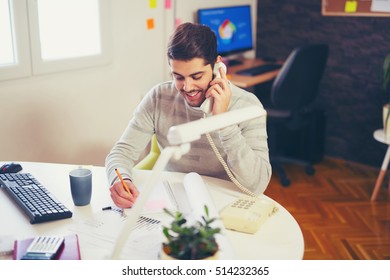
(232, 25)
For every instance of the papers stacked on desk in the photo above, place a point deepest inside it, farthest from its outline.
(99, 234)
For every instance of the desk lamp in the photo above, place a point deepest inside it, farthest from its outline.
(179, 138)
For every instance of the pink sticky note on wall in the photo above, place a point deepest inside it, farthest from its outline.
(178, 21)
(168, 4)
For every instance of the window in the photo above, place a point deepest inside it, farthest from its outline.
(68, 29)
(14, 52)
(58, 35)
(7, 56)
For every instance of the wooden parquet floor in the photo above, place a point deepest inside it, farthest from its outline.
(334, 211)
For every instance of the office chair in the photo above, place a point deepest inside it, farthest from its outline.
(293, 93)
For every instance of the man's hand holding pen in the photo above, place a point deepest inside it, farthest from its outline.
(124, 193)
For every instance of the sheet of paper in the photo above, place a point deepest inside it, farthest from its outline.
(98, 235)
(159, 199)
(380, 6)
(6, 244)
(179, 197)
(198, 196)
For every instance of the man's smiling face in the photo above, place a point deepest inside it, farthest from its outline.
(192, 79)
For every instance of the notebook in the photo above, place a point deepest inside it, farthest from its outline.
(70, 250)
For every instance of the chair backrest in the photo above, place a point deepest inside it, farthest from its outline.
(150, 159)
(297, 83)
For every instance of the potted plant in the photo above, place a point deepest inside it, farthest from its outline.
(190, 242)
(386, 87)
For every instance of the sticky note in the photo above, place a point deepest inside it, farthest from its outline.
(150, 23)
(152, 4)
(168, 4)
(350, 6)
(156, 205)
(177, 22)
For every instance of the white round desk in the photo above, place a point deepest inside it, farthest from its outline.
(279, 238)
(379, 135)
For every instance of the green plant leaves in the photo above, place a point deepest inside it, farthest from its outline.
(190, 241)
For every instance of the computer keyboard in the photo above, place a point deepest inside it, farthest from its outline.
(254, 71)
(33, 198)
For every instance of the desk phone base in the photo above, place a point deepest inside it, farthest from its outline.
(247, 214)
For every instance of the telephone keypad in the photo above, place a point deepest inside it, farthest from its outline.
(247, 214)
(241, 203)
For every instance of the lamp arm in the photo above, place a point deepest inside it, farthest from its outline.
(134, 213)
(188, 132)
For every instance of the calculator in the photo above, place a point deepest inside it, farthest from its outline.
(44, 248)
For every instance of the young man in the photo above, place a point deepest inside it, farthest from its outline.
(192, 53)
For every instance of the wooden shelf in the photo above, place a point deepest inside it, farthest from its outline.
(341, 7)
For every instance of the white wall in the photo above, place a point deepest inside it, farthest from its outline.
(76, 116)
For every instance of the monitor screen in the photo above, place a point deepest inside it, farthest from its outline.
(232, 25)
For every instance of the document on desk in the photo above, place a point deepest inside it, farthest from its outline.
(199, 196)
(98, 233)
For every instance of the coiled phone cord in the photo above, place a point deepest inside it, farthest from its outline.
(227, 169)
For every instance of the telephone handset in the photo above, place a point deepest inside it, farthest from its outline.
(207, 105)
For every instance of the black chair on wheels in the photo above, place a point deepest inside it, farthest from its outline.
(292, 97)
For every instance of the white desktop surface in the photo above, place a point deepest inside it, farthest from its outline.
(279, 238)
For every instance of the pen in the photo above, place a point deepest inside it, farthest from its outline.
(123, 182)
(107, 208)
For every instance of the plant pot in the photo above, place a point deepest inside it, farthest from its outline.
(165, 256)
(386, 121)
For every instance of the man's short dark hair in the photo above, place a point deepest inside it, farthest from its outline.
(192, 40)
